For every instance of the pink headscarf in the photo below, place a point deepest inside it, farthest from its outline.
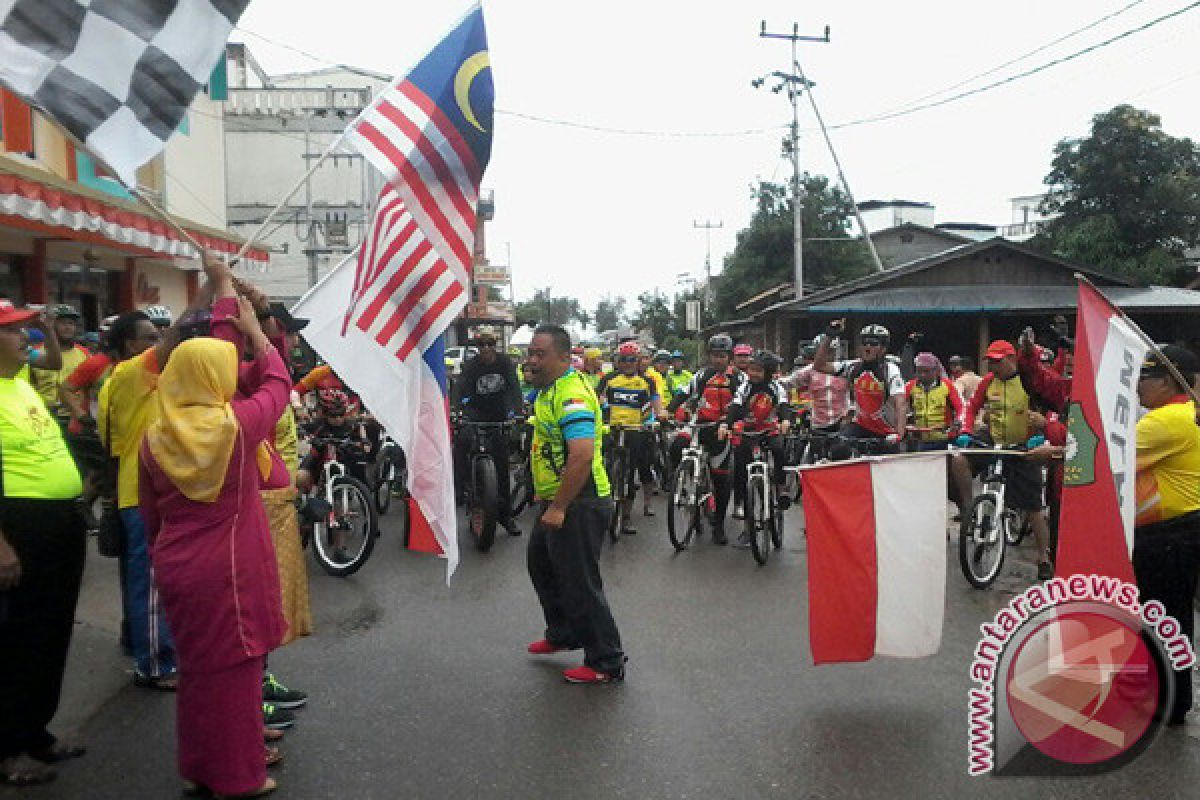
(930, 360)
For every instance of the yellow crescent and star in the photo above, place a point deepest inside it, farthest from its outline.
(467, 73)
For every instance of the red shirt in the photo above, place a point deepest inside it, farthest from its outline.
(90, 372)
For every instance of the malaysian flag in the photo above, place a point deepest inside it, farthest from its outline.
(430, 135)
(118, 74)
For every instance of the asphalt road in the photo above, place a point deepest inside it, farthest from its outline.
(423, 691)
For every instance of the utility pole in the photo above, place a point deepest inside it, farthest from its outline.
(795, 83)
(708, 226)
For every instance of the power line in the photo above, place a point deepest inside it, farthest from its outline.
(1019, 58)
(639, 132)
(1013, 78)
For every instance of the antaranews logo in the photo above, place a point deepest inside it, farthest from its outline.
(1073, 678)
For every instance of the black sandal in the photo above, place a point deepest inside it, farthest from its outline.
(58, 752)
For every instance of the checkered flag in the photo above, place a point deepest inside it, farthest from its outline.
(118, 74)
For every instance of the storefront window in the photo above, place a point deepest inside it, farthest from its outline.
(88, 289)
(10, 281)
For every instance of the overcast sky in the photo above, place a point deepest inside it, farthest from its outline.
(590, 213)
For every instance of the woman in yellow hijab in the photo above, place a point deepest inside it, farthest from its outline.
(212, 554)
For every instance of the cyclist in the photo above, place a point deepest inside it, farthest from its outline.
(741, 357)
(47, 381)
(1009, 422)
(628, 397)
(709, 395)
(679, 376)
(962, 373)
(759, 405)
(336, 422)
(827, 396)
(661, 367)
(593, 369)
(935, 403)
(877, 390)
(488, 390)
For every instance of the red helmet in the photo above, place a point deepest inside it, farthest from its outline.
(333, 402)
(629, 349)
(743, 350)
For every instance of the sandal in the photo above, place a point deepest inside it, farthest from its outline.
(58, 752)
(24, 771)
(268, 786)
(274, 756)
(272, 735)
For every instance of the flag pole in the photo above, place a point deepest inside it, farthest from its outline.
(1150, 343)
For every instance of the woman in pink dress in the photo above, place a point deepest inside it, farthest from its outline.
(201, 467)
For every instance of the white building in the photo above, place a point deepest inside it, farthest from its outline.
(880, 215)
(1027, 217)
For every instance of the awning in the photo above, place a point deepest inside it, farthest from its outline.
(1002, 299)
(45, 199)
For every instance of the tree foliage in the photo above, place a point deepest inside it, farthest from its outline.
(764, 256)
(544, 307)
(1127, 197)
(609, 313)
(655, 315)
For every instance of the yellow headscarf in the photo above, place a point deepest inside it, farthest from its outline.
(193, 439)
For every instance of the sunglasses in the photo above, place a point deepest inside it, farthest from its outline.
(627, 359)
(871, 342)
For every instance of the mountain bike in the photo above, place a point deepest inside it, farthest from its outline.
(521, 494)
(619, 462)
(483, 487)
(341, 510)
(763, 515)
(389, 475)
(983, 540)
(692, 494)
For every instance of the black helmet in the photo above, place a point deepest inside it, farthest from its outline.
(767, 360)
(720, 343)
(64, 311)
(878, 331)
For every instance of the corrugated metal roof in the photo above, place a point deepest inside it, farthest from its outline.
(976, 299)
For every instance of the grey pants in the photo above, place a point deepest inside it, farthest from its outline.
(565, 570)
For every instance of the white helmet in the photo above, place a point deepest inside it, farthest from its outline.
(876, 330)
(159, 315)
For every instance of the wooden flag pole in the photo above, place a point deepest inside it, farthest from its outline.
(1150, 343)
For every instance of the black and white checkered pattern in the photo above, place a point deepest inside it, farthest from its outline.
(118, 74)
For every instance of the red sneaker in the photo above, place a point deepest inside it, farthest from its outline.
(544, 647)
(586, 674)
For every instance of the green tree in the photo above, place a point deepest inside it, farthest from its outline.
(1127, 197)
(545, 307)
(656, 316)
(609, 313)
(764, 255)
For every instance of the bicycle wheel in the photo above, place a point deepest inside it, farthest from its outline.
(385, 481)
(522, 490)
(618, 477)
(481, 511)
(757, 527)
(343, 540)
(1016, 526)
(776, 523)
(981, 543)
(683, 509)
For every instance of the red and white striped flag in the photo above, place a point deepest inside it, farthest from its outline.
(405, 295)
(876, 557)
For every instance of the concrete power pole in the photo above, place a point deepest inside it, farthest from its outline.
(795, 83)
(708, 226)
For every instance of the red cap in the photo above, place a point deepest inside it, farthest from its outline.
(10, 315)
(743, 350)
(1001, 349)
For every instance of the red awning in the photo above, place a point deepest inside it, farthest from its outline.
(38, 201)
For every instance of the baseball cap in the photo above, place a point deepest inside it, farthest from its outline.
(1001, 349)
(11, 315)
(1184, 360)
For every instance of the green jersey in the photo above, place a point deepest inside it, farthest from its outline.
(566, 409)
(678, 381)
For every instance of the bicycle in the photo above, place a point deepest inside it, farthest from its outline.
(483, 487)
(522, 493)
(618, 459)
(843, 447)
(691, 491)
(345, 524)
(983, 540)
(763, 515)
(389, 475)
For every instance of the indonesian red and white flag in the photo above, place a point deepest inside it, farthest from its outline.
(876, 557)
(1099, 503)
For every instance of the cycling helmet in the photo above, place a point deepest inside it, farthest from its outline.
(767, 360)
(107, 322)
(593, 352)
(662, 355)
(629, 348)
(35, 336)
(877, 331)
(809, 351)
(720, 343)
(64, 311)
(677, 354)
(743, 350)
(484, 333)
(333, 402)
(159, 315)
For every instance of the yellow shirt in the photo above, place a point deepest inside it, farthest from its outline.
(34, 457)
(1168, 463)
(286, 443)
(628, 397)
(47, 381)
(660, 383)
(128, 407)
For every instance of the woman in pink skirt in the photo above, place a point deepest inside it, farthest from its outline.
(201, 466)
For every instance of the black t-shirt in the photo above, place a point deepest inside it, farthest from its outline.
(489, 392)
